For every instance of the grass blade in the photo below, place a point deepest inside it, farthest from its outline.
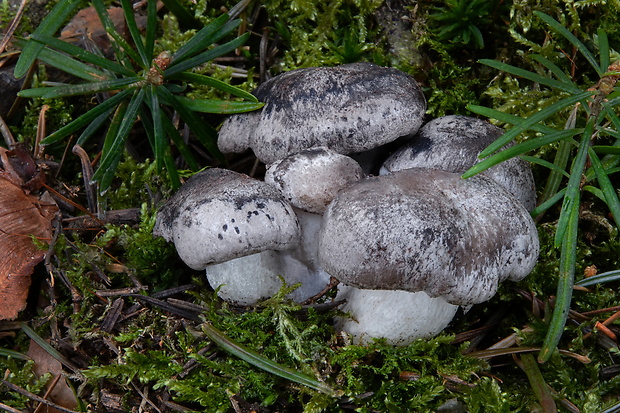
(130, 19)
(263, 363)
(518, 149)
(81, 89)
(533, 120)
(548, 203)
(121, 48)
(204, 133)
(506, 118)
(50, 24)
(538, 384)
(159, 137)
(83, 54)
(71, 66)
(206, 56)
(609, 192)
(565, 284)
(603, 49)
(553, 68)
(217, 84)
(115, 140)
(151, 28)
(534, 77)
(219, 106)
(86, 118)
(573, 186)
(574, 40)
(47, 347)
(14, 354)
(546, 164)
(202, 39)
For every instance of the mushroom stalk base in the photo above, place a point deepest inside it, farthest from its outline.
(398, 316)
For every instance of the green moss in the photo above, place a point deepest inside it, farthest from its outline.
(323, 33)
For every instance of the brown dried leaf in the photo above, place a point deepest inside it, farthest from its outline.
(22, 216)
(44, 363)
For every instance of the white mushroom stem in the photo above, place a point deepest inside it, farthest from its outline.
(398, 316)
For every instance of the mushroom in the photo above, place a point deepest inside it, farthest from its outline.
(426, 232)
(349, 108)
(234, 227)
(310, 180)
(453, 143)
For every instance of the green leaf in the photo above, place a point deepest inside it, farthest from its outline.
(565, 284)
(609, 192)
(548, 203)
(205, 57)
(546, 164)
(93, 127)
(215, 83)
(122, 49)
(264, 363)
(50, 24)
(86, 118)
(571, 38)
(603, 49)
(83, 54)
(612, 150)
(201, 40)
(159, 137)
(506, 117)
(519, 149)
(219, 106)
(81, 89)
(553, 68)
(573, 186)
(130, 19)
(151, 29)
(204, 133)
(115, 141)
(533, 120)
(534, 77)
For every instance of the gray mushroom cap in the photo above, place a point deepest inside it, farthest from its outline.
(349, 108)
(311, 178)
(219, 215)
(453, 143)
(428, 230)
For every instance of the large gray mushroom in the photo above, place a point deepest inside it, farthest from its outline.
(453, 143)
(425, 232)
(234, 227)
(349, 108)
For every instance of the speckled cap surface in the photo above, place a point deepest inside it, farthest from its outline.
(219, 215)
(348, 108)
(428, 230)
(453, 143)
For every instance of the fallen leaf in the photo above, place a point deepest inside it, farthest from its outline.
(44, 363)
(22, 217)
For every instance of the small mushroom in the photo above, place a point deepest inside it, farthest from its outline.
(311, 178)
(453, 143)
(424, 230)
(233, 226)
(349, 108)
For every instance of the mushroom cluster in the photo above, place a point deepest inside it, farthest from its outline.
(408, 246)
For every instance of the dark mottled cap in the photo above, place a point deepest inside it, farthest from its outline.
(219, 215)
(428, 230)
(453, 143)
(349, 108)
